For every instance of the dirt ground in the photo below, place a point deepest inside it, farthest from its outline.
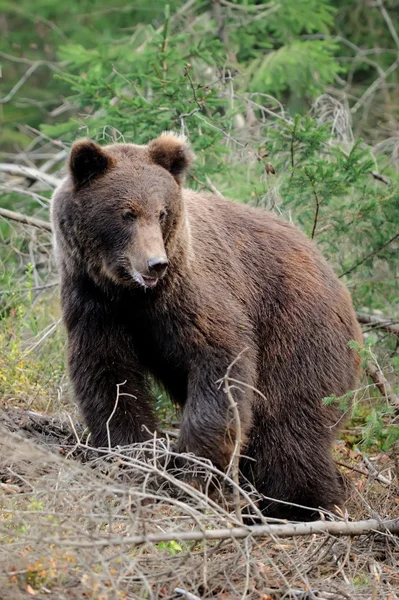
(69, 517)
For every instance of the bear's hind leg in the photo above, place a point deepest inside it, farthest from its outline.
(296, 477)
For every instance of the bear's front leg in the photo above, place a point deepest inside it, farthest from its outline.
(109, 384)
(209, 423)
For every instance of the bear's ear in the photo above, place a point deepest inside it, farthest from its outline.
(88, 160)
(172, 152)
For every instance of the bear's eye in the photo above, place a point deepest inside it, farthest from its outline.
(162, 215)
(129, 215)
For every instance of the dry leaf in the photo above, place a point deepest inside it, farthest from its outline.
(270, 169)
(30, 590)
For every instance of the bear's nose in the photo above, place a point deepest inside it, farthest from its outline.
(158, 265)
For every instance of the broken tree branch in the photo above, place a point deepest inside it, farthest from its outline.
(390, 526)
(30, 173)
(378, 322)
(20, 218)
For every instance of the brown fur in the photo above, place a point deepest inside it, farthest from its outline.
(236, 278)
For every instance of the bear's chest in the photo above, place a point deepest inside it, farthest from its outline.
(161, 342)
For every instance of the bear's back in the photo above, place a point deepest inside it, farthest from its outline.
(249, 245)
(296, 306)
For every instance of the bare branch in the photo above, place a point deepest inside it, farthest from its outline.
(374, 86)
(388, 21)
(373, 253)
(20, 218)
(373, 471)
(20, 83)
(249, 7)
(221, 21)
(27, 61)
(379, 323)
(30, 173)
(353, 528)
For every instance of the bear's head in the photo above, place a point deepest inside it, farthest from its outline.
(119, 211)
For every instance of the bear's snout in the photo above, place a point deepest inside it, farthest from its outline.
(157, 266)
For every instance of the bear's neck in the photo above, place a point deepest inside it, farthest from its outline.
(179, 247)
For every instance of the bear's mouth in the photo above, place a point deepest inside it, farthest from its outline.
(150, 281)
(144, 280)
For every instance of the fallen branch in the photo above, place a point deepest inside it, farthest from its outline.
(30, 173)
(374, 473)
(289, 530)
(20, 218)
(375, 373)
(378, 322)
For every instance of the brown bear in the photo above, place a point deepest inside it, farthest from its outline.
(162, 282)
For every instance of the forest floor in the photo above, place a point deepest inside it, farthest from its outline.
(71, 521)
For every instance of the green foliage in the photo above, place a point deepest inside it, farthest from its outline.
(274, 54)
(155, 82)
(293, 46)
(333, 195)
(364, 350)
(343, 402)
(302, 67)
(303, 16)
(379, 433)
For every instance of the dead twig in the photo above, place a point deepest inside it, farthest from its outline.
(376, 374)
(392, 28)
(49, 331)
(188, 595)
(373, 471)
(235, 459)
(379, 177)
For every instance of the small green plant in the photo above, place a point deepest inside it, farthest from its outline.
(32, 350)
(172, 547)
(379, 432)
(35, 504)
